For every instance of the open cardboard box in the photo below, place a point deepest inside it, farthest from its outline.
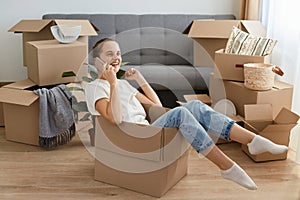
(231, 66)
(259, 119)
(47, 60)
(146, 159)
(21, 112)
(33, 30)
(212, 35)
(279, 96)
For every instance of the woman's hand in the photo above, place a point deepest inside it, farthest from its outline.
(110, 75)
(134, 74)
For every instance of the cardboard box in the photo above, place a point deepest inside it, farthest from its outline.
(33, 30)
(146, 159)
(49, 59)
(279, 96)
(231, 66)
(259, 119)
(201, 97)
(212, 35)
(21, 112)
(1, 115)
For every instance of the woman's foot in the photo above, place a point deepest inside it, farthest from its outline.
(238, 175)
(260, 144)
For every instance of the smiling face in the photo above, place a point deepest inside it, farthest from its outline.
(111, 54)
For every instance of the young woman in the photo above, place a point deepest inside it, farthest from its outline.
(116, 100)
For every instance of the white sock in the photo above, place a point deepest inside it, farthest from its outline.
(238, 175)
(260, 144)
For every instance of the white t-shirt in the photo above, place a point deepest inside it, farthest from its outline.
(132, 110)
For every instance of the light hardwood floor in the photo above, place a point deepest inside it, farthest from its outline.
(27, 172)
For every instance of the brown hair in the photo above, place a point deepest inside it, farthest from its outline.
(97, 47)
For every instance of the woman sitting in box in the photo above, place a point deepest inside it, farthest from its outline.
(116, 100)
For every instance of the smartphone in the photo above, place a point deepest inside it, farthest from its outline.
(100, 65)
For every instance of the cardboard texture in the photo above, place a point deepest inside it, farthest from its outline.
(48, 59)
(34, 30)
(146, 159)
(257, 119)
(230, 66)
(1, 115)
(279, 96)
(212, 35)
(21, 108)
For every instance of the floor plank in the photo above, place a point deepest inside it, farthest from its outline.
(28, 172)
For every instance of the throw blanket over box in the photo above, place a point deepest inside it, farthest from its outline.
(56, 119)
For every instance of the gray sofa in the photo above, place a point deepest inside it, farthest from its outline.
(154, 44)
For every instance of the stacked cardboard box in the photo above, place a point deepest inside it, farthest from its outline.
(227, 80)
(212, 35)
(46, 60)
(252, 104)
(150, 163)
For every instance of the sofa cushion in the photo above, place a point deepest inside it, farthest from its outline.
(174, 77)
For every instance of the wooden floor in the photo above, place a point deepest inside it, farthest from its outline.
(27, 172)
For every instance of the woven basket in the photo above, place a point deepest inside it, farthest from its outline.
(260, 76)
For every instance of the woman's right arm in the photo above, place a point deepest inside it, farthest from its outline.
(111, 108)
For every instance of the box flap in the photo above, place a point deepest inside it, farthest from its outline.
(281, 85)
(201, 97)
(87, 29)
(281, 128)
(285, 116)
(212, 28)
(27, 83)
(258, 112)
(253, 27)
(19, 97)
(29, 26)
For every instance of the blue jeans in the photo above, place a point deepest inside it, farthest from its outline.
(195, 120)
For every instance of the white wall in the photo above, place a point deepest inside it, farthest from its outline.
(12, 11)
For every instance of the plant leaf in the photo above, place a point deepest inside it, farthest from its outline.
(86, 117)
(124, 63)
(68, 74)
(94, 75)
(80, 106)
(87, 79)
(120, 73)
(73, 89)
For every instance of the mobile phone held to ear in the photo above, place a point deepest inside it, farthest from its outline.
(100, 65)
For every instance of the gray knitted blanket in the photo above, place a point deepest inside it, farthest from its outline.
(56, 117)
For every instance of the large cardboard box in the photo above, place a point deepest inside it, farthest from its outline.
(231, 66)
(33, 30)
(146, 159)
(279, 96)
(259, 119)
(1, 115)
(21, 112)
(49, 59)
(212, 35)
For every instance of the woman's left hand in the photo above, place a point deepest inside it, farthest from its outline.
(133, 74)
